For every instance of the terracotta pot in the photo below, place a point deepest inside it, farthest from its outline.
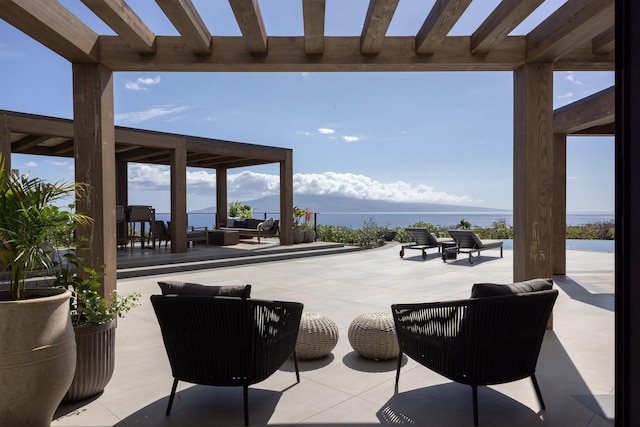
(95, 352)
(37, 356)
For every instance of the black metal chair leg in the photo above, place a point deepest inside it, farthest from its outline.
(295, 363)
(474, 390)
(398, 371)
(535, 385)
(245, 390)
(173, 393)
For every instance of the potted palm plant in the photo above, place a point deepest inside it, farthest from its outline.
(37, 341)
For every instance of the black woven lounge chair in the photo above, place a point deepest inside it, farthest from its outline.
(422, 239)
(478, 341)
(223, 341)
(468, 242)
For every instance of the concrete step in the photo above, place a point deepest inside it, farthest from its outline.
(183, 264)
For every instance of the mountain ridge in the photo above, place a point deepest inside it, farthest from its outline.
(342, 204)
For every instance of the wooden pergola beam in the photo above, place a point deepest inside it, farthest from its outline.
(340, 54)
(590, 112)
(53, 26)
(376, 25)
(184, 16)
(313, 13)
(123, 20)
(249, 18)
(568, 27)
(504, 19)
(27, 142)
(441, 19)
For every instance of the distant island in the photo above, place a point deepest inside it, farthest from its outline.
(341, 204)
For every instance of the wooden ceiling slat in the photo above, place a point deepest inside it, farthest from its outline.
(53, 26)
(123, 20)
(340, 54)
(313, 13)
(27, 142)
(63, 149)
(504, 19)
(441, 19)
(142, 154)
(249, 18)
(184, 16)
(574, 23)
(593, 111)
(376, 25)
(605, 41)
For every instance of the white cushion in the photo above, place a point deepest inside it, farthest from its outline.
(267, 225)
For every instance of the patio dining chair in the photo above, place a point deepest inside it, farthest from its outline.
(492, 338)
(226, 341)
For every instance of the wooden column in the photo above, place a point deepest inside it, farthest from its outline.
(5, 142)
(533, 172)
(627, 267)
(178, 228)
(122, 183)
(559, 204)
(286, 200)
(94, 151)
(221, 196)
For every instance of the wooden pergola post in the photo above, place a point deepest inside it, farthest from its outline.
(221, 196)
(5, 142)
(286, 200)
(559, 236)
(533, 172)
(94, 136)
(178, 227)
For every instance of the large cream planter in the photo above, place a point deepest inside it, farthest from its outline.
(37, 356)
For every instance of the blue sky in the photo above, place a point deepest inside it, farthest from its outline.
(419, 137)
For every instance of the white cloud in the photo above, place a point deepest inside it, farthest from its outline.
(571, 76)
(351, 138)
(152, 113)
(251, 185)
(305, 75)
(566, 95)
(141, 83)
(326, 131)
(31, 164)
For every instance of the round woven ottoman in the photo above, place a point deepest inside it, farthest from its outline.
(317, 336)
(373, 335)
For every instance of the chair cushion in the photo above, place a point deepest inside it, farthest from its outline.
(186, 288)
(481, 290)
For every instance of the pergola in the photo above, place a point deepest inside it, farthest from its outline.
(579, 36)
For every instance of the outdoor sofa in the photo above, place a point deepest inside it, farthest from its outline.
(252, 227)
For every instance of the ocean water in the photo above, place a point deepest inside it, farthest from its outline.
(404, 219)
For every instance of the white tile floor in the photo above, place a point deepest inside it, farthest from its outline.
(575, 368)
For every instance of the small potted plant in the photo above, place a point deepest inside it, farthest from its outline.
(308, 228)
(94, 322)
(298, 233)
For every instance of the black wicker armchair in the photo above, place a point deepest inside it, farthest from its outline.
(222, 341)
(479, 341)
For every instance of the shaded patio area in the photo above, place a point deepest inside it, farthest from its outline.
(575, 369)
